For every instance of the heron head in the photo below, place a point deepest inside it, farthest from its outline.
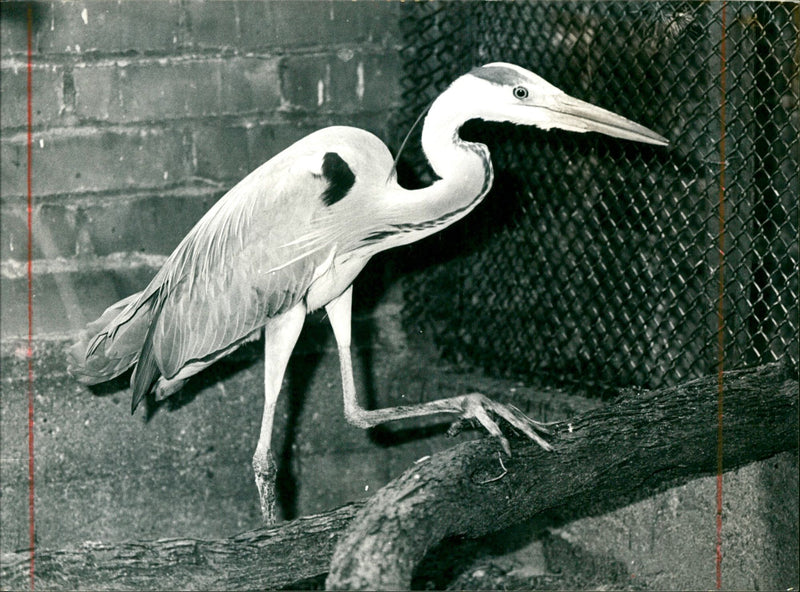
(508, 93)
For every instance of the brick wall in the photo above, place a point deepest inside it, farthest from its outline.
(145, 113)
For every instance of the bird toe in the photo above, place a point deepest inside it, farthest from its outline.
(478, 405)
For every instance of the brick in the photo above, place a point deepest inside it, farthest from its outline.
(220, 151)
(54, 231)
(13, 26)
(14, 159)
(252, 25)
(346, 81)
(215, 24)
(164, 89)
(13, 231)
(276, 24)
(303, 81)
(323, 23)
(249, 84)
(664, 538)
(342, 92)
(382, 75)
(88, 159)
(376, 22)
(119, 27)
(292, 25)
(97, 92)
(153, 224)
(47, 93)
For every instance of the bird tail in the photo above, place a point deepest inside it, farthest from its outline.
(111, 344)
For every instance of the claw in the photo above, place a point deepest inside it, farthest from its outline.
(477, 405)
(458, 426)
(523, 423)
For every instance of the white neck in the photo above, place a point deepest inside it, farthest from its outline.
(464, 170)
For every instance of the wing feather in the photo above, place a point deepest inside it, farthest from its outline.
(252, 256)
(239, 266)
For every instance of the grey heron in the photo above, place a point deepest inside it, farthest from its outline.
(292, 236)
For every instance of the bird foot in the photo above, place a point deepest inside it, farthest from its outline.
(478, 406)
(265, 472)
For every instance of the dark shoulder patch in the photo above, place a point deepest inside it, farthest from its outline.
(496, 75)
(339, 176)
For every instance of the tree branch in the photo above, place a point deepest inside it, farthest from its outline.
(266, 558)
(643, 442)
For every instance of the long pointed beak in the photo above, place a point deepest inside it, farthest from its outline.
(572, 114)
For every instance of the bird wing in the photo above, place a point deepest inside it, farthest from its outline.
(252, 256)
(243, 263)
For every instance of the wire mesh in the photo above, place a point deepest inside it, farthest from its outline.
(596, 263)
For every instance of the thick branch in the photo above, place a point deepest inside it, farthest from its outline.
(642, 442)
(267, 558)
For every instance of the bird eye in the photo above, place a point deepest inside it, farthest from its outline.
(521, 92)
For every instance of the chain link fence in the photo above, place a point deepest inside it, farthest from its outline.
(596, 263)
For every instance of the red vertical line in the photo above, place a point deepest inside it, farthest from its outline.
(721, 293)
(30, 293)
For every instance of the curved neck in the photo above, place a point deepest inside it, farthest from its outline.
(465, 176)
(456, 162)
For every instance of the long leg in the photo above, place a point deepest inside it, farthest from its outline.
(465, 406)
(280, 337)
